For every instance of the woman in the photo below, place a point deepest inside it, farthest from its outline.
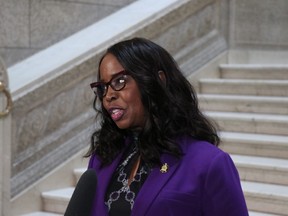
(155, 153)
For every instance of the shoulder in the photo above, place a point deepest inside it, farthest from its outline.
(203, 155)
(199, 148)
(208, 160)
(94, 162)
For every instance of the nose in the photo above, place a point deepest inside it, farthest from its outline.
(111, 94)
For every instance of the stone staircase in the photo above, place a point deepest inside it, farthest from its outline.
(250, 105)
(56, 201)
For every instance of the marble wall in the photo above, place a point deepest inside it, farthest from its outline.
(259, 24)
(28, 26)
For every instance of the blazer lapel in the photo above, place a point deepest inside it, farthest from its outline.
(154, 184)
(104, 177)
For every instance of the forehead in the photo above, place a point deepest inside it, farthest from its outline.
(109, 66)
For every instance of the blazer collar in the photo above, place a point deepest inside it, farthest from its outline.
(149, 191)
(153, 185)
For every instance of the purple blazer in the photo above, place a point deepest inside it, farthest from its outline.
(203, 182)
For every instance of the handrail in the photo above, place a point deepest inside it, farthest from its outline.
(50, 62)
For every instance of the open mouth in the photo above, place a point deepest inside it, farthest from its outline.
(116, 114)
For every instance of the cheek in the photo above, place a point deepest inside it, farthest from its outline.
(136, 104)
(140, 108)
(104, 105)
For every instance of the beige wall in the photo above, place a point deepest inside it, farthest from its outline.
(259, 24)
(27, 26)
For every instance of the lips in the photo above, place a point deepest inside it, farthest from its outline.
(116, 113)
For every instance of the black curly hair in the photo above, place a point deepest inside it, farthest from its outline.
(172, 105)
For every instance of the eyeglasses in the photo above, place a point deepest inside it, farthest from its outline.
(117, 83)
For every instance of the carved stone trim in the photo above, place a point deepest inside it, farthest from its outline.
(55, 156)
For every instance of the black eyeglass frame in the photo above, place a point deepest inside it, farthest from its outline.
(95, 85)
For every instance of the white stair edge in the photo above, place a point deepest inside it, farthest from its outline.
(251, 213)
(244, 81)
(254, 66)
(80, 170)
(248, 116)
(63, 194)
(270, 99)
(78, 173)
(260, 162)
(265, 190)
(254, 138)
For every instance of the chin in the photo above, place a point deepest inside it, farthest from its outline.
(122, 126)
(127, 126)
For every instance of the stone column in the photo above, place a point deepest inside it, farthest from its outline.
(5, 142)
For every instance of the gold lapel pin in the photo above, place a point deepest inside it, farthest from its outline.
(164, 168)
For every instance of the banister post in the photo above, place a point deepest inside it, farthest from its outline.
(5, 142)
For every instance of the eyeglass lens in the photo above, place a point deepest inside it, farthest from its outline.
(117, 83)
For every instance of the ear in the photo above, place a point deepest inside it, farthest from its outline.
(162, 76)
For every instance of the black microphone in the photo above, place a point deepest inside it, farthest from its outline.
(81, 202)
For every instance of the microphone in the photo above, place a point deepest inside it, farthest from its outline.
(81, 202)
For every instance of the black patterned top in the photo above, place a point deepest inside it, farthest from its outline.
(120, 196)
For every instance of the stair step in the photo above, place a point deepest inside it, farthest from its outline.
(57, 200)
(240, 71)
(244, 103)
(251, 122)
(41, 214)
(255, 144)
(78, 173)
(262, 169)
(268, 198)
(251, 213)
(244, 87)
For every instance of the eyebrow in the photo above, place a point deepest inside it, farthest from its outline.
(113, 76)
